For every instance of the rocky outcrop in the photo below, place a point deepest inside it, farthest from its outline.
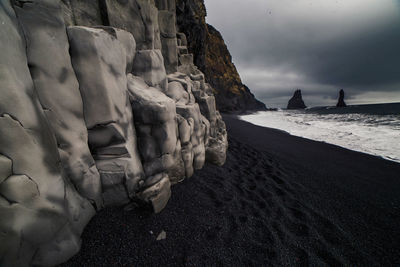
(296, 102)
(99, 60)
(54, 79)
(42, 214)
(101, 106)
(341, 103)
(213, 58)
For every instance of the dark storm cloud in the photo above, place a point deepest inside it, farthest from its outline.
(318, 46)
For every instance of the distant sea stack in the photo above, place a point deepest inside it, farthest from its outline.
(212, 57)
(296, 102)
(341, 103)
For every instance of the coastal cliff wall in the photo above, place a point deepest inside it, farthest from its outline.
(212, 57)
(101, 105)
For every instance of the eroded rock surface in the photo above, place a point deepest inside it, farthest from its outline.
(99, 60)
(110, 111)
(42, 215)
(55, 81)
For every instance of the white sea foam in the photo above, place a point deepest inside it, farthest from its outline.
(373, 134)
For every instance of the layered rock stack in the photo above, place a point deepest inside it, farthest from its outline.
(101, 105)
(296, 102)
(341, 103)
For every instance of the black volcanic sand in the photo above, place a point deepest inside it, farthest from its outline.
(279, 200)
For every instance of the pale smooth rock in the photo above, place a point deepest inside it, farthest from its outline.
(149, 65)
(218, 143)
(128, 43)
(55, 82)
(99, 60)
(155, 122)
(158, 194)
(177, 92)
(191, 112)
(162, 236)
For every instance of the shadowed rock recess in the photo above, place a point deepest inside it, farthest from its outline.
(101, 105)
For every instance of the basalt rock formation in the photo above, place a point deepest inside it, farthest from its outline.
(341, 103)
(101, 105)
(296, 102)
(213, 58)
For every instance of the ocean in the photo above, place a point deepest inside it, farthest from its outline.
(373, 129)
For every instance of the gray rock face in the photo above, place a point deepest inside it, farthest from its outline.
(197, 90)
(42, 215)
(180, 89)
(296, 102)
(55, 81)
(99, 60)
(139, 17)
(93, 117)
(83, 12)
(155, 121)
(166, 21)
(149, 64)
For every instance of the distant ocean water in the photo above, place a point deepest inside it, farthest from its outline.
(372, 129)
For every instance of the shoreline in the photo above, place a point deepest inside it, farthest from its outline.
(279, 200)
(321, 141)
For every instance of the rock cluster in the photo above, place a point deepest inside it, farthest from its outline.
(341, 103)
(213, 58)
(296, 102)
(101, 106)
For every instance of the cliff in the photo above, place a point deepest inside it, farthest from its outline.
(212, 57)
(99, 107)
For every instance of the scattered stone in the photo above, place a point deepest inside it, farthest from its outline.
(162, 236)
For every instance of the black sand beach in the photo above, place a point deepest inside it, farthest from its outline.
(279, 200)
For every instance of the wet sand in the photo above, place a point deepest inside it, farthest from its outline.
(279, 200)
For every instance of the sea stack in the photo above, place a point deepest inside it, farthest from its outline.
(296, 102)
(341, 102)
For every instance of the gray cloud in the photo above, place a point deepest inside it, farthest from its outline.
(317, 46)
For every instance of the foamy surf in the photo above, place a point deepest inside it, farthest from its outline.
(366, 132)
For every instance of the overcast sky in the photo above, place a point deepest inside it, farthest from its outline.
(318, 46)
